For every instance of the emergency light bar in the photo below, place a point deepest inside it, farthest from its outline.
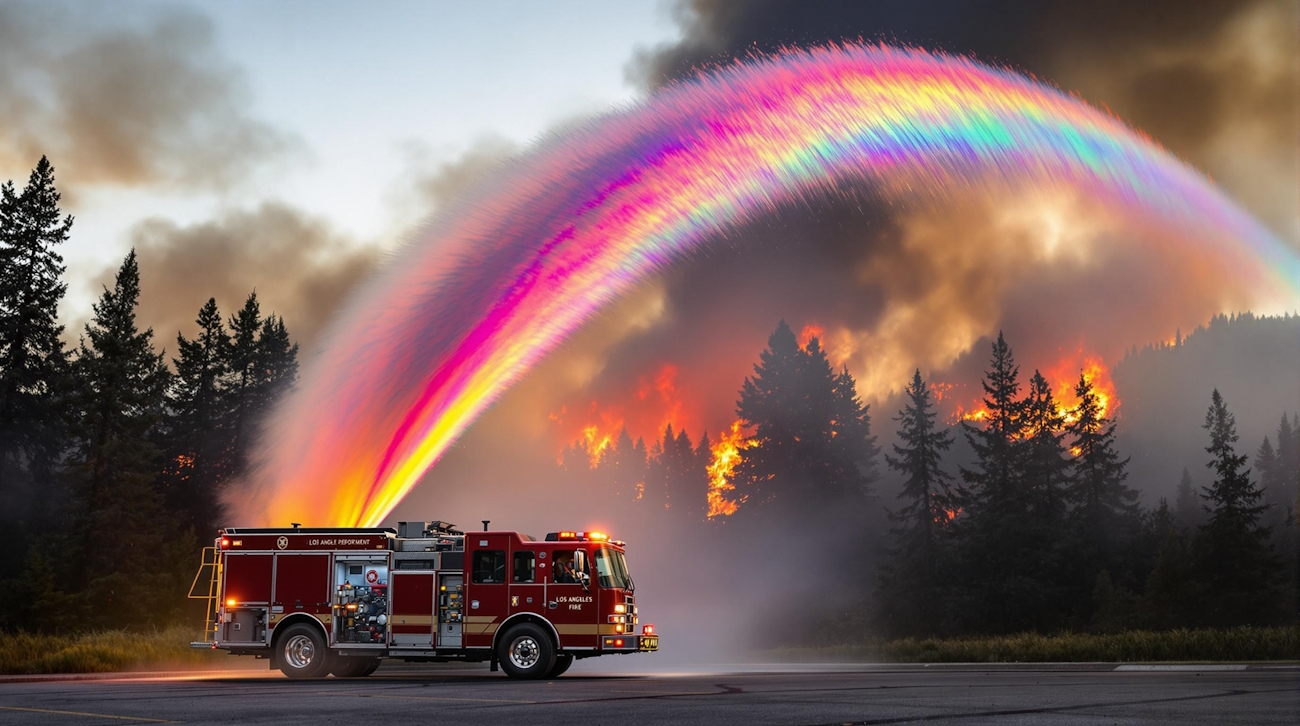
(577, 537)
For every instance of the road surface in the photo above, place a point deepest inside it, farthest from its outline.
(812, 695)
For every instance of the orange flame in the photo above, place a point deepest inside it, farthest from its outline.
(1064, 376)
(725, 454)
(810, 331)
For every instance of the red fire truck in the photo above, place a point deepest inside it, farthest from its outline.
(336, 601)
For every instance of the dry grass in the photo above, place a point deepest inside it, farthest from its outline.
(105, 651)
(1233, 644)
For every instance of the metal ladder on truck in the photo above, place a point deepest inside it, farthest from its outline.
(212, 565)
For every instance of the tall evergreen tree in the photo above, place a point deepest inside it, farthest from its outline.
(1105, 518)
(1288, 463)
(1046, 461)
(1235, 552)
(120, 395)
(277, 364)
(1008, 582)
(197, 464)
(1272, 481)
(32, 357)
(911, 581)
(853, 444)
(770, 405)
(244, 394)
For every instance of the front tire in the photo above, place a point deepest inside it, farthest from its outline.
(562, 663)
(526, 652)
(301, 652)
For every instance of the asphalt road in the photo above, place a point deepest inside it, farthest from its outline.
(726, 695)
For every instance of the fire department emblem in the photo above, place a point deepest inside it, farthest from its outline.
(282, 543)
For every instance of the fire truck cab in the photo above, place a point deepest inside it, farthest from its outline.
(336, 601)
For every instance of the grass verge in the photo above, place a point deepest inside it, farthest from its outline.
(1231, 644)
(104, 651)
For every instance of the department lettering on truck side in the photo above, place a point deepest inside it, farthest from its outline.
(336, 601)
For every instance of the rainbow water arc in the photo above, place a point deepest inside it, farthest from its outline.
(506, 275)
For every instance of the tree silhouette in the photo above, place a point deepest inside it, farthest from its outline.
(33, 363)
(1235, 552)
(911, 581)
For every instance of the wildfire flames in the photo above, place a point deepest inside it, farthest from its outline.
(1063, 376)
(726, 452)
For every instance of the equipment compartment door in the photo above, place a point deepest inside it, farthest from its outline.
(412, 609)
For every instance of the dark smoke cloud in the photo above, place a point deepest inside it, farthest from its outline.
(143, 99)
(300, 266)
(1216, 81)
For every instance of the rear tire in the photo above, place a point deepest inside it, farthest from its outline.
(350, 667)
(526, 652)
(562, 663)
(300, 652)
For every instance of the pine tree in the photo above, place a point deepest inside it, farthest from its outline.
(1288, 456)
(910, 582)
(854, 446)
(1004, 560)
(1188, 512)
(120, 395)
(197, 464)
(1105, 521)
(1235, 553)
(277, 365)
(770, 405)
(244, 395)
(32, 358)
(1272, 482)
(1046, 462)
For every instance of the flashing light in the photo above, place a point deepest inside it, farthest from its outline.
(224, 543)
(618, 643)
(648, 629)
(618, 628)
(620, 608)
(597, 536)
(230, 602)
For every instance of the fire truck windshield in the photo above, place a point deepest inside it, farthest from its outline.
(611, 568)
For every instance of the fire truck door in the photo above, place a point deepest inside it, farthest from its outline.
(412, 607)
(486, 593)
(571, 607)
(527, 593)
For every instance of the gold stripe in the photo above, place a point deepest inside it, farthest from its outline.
(480, 628)
(84, 713)
(480, 618)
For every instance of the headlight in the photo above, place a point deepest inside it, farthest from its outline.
(620, 608)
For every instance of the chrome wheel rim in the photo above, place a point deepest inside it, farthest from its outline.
(299, 651)
(524, 652)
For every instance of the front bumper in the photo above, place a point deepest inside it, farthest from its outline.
(630, 643)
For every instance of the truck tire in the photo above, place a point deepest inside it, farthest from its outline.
(562, 663)
(352, 667)
(300, 652)
(526, 652)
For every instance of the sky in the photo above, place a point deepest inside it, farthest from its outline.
(345, 105)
